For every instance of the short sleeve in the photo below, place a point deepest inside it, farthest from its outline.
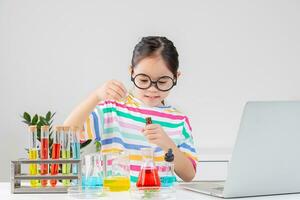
(94, 124)
(187, 145)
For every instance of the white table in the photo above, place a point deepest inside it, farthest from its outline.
(180, 194)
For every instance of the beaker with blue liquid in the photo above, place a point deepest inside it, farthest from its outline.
(92, 170)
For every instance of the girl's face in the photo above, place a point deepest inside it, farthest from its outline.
(155, 68)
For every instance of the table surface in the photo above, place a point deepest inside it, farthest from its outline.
(180, 194)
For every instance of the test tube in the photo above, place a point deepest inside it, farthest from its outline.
(44, 153)
(75, 147)
(33, 153)
(56, 152)
(66, 153)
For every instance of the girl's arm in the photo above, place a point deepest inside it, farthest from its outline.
(110, 90)
(79, 115)
(182, 164)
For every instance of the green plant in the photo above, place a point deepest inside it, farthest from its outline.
(40, 121)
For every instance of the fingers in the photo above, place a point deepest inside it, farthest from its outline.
(151, 136)
(151, 126)
(120, 86)
(115, 90)
(149, 132)
(111, 94)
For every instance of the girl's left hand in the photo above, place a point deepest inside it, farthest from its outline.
(156, 135)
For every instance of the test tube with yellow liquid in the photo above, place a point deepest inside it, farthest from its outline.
(33, 154)
(66, 153)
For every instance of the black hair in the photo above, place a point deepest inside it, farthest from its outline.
(156, 45)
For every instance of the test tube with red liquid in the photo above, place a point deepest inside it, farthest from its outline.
(44, 152)
(55, 153)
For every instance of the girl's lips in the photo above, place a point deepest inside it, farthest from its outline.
(151, 97)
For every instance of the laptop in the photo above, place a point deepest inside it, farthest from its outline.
(266, 156)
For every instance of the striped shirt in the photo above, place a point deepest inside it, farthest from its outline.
(118, 126)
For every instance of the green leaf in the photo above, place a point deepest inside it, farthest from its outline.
(82, 145)
(27, 117)
(39, 124)
(35, 119)
(43, 120)
(48, 116)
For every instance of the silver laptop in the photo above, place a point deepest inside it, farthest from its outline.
(266, 156)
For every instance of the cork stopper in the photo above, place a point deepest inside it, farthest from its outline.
(45, 128)
(148, 120)
(58, 128)
(32, 128)
(66, 128)
(74, 128)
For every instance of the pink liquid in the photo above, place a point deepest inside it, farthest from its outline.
(54, 167)
(44, 155)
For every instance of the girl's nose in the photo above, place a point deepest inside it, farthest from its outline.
(153, 88)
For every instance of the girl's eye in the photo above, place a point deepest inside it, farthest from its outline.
(144, 81)
(162, 82)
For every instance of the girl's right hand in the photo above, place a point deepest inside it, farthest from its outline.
(113, 90)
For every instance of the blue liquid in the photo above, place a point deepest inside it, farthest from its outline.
(167, 181)
(75, 155)
(93, 181)
(83, 181)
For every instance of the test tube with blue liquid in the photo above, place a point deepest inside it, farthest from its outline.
(75, 148)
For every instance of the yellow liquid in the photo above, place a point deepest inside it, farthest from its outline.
(117, 183)
(66, 168)
(33, 155)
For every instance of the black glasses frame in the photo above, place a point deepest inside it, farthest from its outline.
(154, 82)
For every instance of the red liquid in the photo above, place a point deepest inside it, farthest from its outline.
(148, 177)
(54, 167)
(44, 155)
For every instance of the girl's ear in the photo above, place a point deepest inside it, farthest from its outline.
(178, 74)
(130, 70)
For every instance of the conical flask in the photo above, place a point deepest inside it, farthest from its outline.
(148, 176)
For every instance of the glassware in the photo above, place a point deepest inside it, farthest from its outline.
(93, 170)
(44, 152)
(117, 172)
(168, 177)
(66, 153)
(75, 148)
(148, 176)
(33, 154)
(56, 152)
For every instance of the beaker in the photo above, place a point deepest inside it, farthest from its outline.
(92, 172)
(117, 172)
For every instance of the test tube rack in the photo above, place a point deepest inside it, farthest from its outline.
(17, 177)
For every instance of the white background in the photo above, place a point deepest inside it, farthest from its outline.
(53, 53)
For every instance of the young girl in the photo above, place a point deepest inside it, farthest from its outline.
(116, 117)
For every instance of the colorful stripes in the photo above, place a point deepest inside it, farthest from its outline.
(119, 125)
(147, 112)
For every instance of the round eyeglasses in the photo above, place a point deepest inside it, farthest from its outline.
(143, 81)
